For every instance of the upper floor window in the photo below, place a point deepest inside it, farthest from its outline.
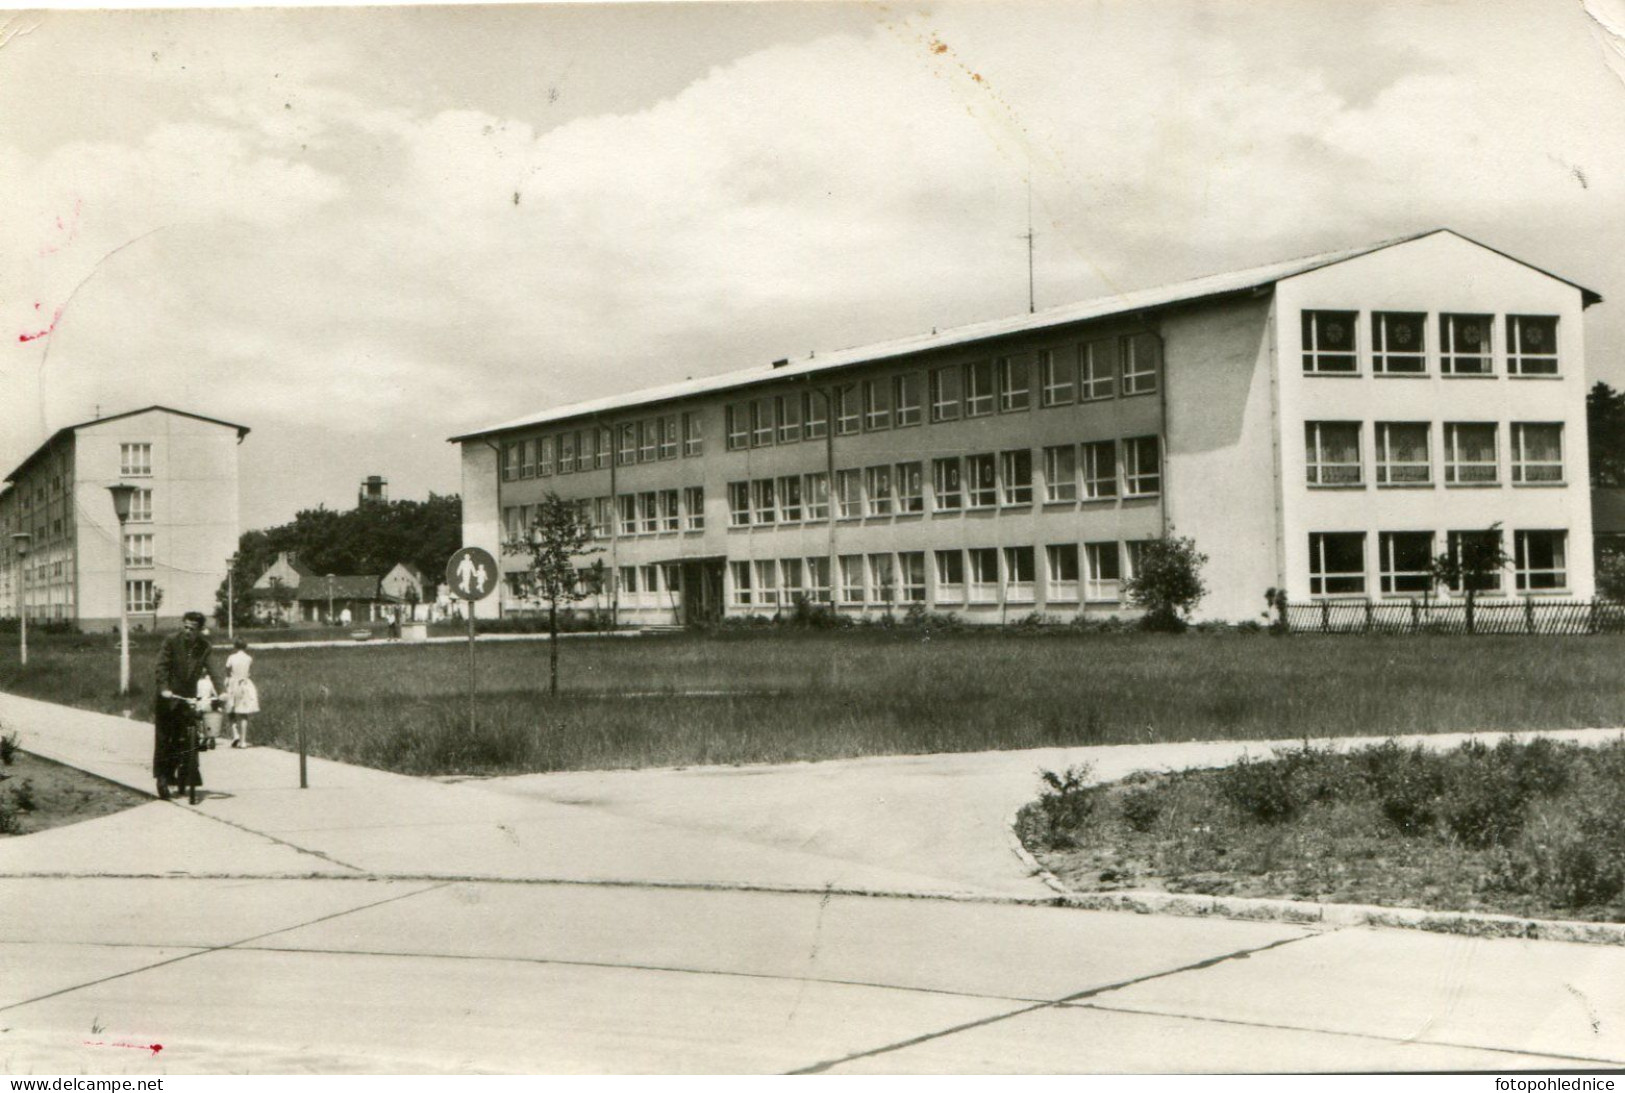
(605, 444)
(979, 388)
(849, 493)
(1140, 364)
(790, 509)
(762, 426)
(1537, 452)
(982, 478)
(848, 416)
(910, 482)
(815, 409)
(738, 415)
(668, 437)
(947, 394)
(906, 399)
(542, 447)
(1061, 473)
(1100, 470)
(879, 491)
(138, 550)
(510, 462)
(1015, 384)
(1097, 370)
(1465, 345)
(1057, 375)
(567, 453)
(648, 439)
(1398, 342)
(141, 507)
(789, 415)
(947, 489)
(1470, 456)
(693, 437)
(815, 488)
(1328, 342)
(627, 450)
(1333, 453)
(135, 460)
(1016, 477)
(1142, 470)
(764, 493)
(694, 508)
(876, 404)
(739, 504)
(1531, 345)
(1402, 454)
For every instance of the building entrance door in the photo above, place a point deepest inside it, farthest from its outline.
(702, 592)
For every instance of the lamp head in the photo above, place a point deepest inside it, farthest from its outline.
(20, 541)
(122, 492)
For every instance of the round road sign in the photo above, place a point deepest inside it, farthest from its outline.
(471, 574)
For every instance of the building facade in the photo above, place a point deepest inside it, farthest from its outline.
(181, 532)
(1323, 426)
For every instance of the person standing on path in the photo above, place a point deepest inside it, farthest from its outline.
(183, 659)
(242, 697)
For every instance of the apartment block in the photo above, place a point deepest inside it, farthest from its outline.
(1323, 425)
(182, 528)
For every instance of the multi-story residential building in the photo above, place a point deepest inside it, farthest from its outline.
(1324, 425)
(181, 531)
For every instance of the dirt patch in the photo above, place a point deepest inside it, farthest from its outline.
(37, 794)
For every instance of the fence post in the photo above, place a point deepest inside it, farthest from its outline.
(1416, 616)
(1325, 616)
(1529, 614)
(1591, 616)
(1368, 616)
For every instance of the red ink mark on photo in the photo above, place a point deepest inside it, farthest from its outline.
(56, 317)
(154, 1048)
(71, 227)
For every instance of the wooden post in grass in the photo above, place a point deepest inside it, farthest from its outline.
(304, 782)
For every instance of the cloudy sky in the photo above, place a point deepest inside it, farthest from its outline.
(360, 231)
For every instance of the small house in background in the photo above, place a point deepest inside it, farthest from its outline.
(325, 597)
(276, 591)
(405, 585)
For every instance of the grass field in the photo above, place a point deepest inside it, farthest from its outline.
(757, 696)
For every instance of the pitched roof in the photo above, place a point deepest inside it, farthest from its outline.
(242, 431)
(341, 588)
(1180, 292)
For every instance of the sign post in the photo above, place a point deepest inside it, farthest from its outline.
(471, 574)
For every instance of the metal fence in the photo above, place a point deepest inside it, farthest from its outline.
(1489, 616)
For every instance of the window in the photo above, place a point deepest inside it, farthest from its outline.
(1403, 458)
(911, 576)
(1097, 370)
(740, 592)
(1333, 453)
(1100, 470)
(1336, 563)
(877, 404)
(629, 513)
(1016, 477)
(767, 582)
(627, 447)
(135, 460)
(1541, 560)
(762, 426)
(906, 399)
(510, 462)
(815, 407)
(1018, 574)
(849, 493)
(788, 410)
(790, 584)
(587, 450)
(979, 389)
(1061, 572)
(141, 507)
(1057, 375)
(947, 394)
(1406, 558)
(1465, 546)
(815, 488)
(766, 501)
(790, 499)
(671, 516)
(140, 597)
(530, 458)
(604, 445)
(693, 435)
(847, 416)
(1140, 364)
(649, 581)
(947, 491)
(910, 482)
(852, 587)
(510, 521)
(1464, 345)
(138, 550)
(567, 453)
(1015, 384)
(1531, 345)
(1469, 455)
(950, 576)
(878, 481)
(982, 480)
(603, 514)
(882, 578)
(694, 508)
(738, 415)
(1537, 452)
(1134, 555)
(1399, 343)
(1328, 342)
(818, 580)
(1061, 473)
(648, 512)
(983, 570)
(668, 437)
(739, 504)
(671, 577)
(1142, 475)
(628, 578)
(648, 439)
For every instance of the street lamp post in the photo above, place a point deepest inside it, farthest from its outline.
(330, 599)
(20, 540)
(121, 507)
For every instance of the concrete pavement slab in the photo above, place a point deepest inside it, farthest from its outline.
(344, 1013)
(1546, 997)
(37, 969)
(1082, 1040)
(930, 945)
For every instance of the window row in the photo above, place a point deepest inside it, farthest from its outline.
(1099, 470)
(1404, 454)
(1338, 564)
(648, 512)
(646, 441)
(1398, 344)
(1056, 376)
(135, 461)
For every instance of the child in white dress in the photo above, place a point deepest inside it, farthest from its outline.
(242, 699)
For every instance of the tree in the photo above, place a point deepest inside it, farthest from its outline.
(559, 533)
(1605, 428)
(1472, 565)
(1167, 582)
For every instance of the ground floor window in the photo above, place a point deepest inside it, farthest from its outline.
(983, 567)
(767, 583)
(950, 576)
(1406, 560)
(790, 584)
(1019, 574)
(818, 580)
(882, 578)
(1541, 560)
(1105, 572)
(1337, 563)
(739, 592)
(1479, 551)
(911, 576)
(1061, 572)
(852, 587)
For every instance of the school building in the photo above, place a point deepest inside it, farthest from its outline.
(180, 533)
(1324, 425)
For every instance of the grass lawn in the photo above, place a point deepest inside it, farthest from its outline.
(772, 696)
(1533, 829)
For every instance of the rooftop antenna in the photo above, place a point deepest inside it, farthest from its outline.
(1029, 238)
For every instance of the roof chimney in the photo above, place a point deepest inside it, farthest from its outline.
(781, 362)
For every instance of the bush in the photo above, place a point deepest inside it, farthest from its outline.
(1063, 808)
(1141, 809)
(1167, 582)
(23, 796)
(1265, 791)
(10, 744)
